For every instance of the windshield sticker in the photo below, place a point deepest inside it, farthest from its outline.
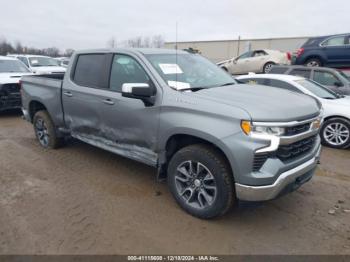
(179, 85)
(169, 69)
(34, 61)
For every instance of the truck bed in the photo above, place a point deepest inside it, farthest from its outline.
(45, 90)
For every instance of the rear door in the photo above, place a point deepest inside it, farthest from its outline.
(336, 50)
(83, 96)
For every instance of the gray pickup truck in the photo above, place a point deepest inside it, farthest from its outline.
(214, 140)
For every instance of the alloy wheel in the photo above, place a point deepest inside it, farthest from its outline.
(336, 134)
(42, 132)
(195, 184)
(313, 63)
(268, 67)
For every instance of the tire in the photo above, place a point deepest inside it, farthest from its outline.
(199, 198)
(45, 131)
(330, 138)
(313, 62)
(267, 67)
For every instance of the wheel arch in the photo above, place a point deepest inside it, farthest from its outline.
(335, 116)
(315, 56)
(176, 141)
(35, 106)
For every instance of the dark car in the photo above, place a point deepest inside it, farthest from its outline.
(334, 79)
(331, 51)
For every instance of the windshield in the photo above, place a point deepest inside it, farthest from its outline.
(318, 89)
(344, 75)
(9, 66)
(42, 61)
(189, 71)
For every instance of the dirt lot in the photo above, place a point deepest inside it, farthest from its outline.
(83, 200)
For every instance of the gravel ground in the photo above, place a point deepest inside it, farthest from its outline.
(83, 200)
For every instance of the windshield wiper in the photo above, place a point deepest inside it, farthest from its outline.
(329, 98)
(194, 89)
(228, 84)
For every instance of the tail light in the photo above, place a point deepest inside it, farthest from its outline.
(300, 51)
(289, 56)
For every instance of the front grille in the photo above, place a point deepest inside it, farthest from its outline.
(10, 96)
(295, 130)
(259, 160)
(10, 89)
(297, 149)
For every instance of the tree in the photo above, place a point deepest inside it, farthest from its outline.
(157, 41)
(68, 52)
(19, 48)
(111, 43)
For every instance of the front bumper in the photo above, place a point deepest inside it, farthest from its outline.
(291, 180)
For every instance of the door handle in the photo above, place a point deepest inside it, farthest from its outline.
(69, 94)
(108, 101)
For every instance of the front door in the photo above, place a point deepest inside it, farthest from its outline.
(128, 124)
(336, 50)
(240, 65)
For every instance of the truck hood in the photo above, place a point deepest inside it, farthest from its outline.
(264, 103)
(10, 78)
(48, 69)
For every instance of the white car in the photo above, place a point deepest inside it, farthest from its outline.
(335, 131)
(62, 61)
(11, 71)
(40, 64)
(257, 61)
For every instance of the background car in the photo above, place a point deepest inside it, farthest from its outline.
(335, 131)
(41, 64)
(62, 61)
(334, 79)
(257, 61)
(11, 71)
(331, 51)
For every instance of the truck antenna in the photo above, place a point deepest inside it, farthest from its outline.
(176, 47)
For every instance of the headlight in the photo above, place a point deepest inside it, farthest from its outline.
(248, 128)
(316, 124)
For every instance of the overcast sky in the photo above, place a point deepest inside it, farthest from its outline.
(91, 23)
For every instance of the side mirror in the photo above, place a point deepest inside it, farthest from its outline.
(338, 84)
(142, 91)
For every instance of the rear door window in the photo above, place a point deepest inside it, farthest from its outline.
(335, 41)
(89, 70)
(301, 72)
(325, 78)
